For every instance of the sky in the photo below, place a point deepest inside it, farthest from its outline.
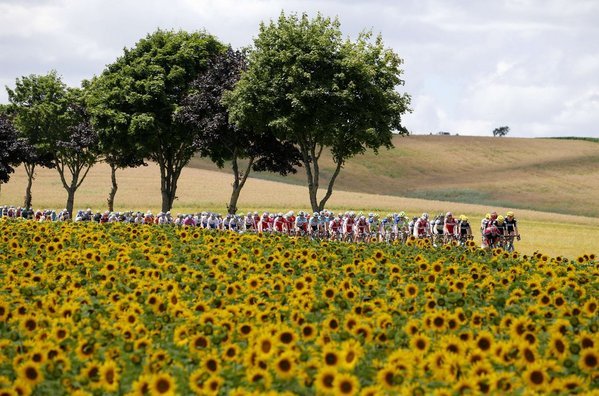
(470, 66)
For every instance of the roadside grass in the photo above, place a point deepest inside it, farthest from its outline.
(551, 233)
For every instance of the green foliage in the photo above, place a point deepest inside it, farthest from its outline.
(311, 87)
(134, 102)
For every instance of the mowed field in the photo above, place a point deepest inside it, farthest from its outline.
(139, 189)
(548, 175)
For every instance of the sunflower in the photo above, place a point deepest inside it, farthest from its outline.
(389, 378)
(346, 384)
(558, 345)
(4, 311)
(211, 363)
(590, 307)
(351, 352)
(589, 360)
(286, 336)
(308, 332)
(325, 380)
(568, 385)
(213, 384)
(265, 345)
(109, 376)
(420, 343)
(536, 377)
(231, 352)
(20, 388)
(411, 290)
(484, 341)
(30, 373)
(162, 384)
(285, 365)
(258, 378)
(466, 386)
(330, 355)
(141, 386)
(332, 324)
(587, 340)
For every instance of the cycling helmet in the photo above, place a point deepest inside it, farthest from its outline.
(488, 216)
(448, 214)
(510, 214)
(425, 215)
(463, 218)
(494, 215)
(500, 219)
(402, 214)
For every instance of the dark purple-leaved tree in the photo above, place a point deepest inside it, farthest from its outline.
(10, 149)
(245, 149)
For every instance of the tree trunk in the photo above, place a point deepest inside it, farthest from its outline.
(71, 199)
(30, 170)
(114, 188)
(329, 192)
(168, 186)
(238, 183)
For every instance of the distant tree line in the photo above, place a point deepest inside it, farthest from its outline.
(277, 106)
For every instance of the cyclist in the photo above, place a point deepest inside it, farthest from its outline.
(512, 225)
(501, 230)
(402, 226)
(386, 229)
(313, 224)
(421, 226)
(437, 227)
(348, 224)
(335, 226)
(374, 225)
(464, 229)
(449, 226)
(491, 235)
(361, 228)
(301, 223)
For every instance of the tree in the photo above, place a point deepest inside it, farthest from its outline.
(75, 145)
(501, 131)
(36, 103)
(10, 149)
(117, 151)
(222, 141)
(307, 85)
(136, 99)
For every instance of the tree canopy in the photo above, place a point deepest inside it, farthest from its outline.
(307, 85)
(37, 103)
(501, 131)
(223, 141)
(136, 99)
(10, 150)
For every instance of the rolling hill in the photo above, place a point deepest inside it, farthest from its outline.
(551, 175)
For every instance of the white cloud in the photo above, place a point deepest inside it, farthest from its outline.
(470, 66)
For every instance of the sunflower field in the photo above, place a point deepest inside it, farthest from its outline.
(160, 310)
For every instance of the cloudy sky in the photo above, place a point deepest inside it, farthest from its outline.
(470, 66)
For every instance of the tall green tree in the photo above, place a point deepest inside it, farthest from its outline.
(223, 141)
(75, 145)
(37, 103)
(136, 99)
(308, 85)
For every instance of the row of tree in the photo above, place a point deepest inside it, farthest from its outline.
(300, 90)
